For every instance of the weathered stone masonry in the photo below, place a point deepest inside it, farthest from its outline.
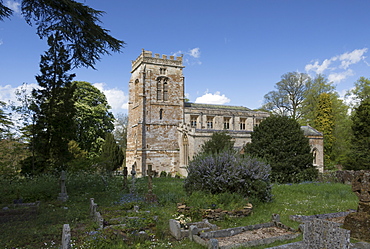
(166, 132)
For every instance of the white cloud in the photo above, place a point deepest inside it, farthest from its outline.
(7, 92)
(194, 55)
(13, 5)
(216, 98)
(335, 70)
(116, 98)
(195, 52)
(338, 77)
(1, 42)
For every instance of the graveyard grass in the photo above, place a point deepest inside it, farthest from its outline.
(43, 230)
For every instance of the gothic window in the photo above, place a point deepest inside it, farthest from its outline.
(193, 121)
(315, 153)
(226, 123)
(136, 91)
(159, 90)
(165, 91)
(161, 114)
(209, 122)
(242, 124)
(162, 88)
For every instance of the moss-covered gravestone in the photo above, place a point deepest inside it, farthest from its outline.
(359, 222)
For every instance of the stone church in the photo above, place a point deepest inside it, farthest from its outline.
(166, 132)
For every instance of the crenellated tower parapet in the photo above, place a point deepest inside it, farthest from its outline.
(147, 58)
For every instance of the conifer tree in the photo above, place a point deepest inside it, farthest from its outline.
(325, 123)
(359, 158)
(54, 108)
(112, 156)
(280, 141)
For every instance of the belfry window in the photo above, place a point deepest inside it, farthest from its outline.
(159, 90)
(162, 88)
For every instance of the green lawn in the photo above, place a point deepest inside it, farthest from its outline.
(44, 229)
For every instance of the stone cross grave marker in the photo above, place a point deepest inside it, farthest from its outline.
(150, 179)
(133, 173)
(63, 192)
(125, 173)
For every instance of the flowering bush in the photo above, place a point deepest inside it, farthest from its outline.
(227, 172)
(183, 220)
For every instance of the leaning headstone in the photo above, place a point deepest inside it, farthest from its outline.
(66, 237)
(325, 234)
(63, 192)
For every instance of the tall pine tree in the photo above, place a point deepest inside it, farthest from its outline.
(324, 122)
(54, 108)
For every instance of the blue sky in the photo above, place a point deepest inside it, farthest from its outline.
(235, 51)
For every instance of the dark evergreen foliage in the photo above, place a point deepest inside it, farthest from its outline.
(54, 109)
(279, 140)
(76, 23)
(111, 157)
(359, 157)
(228, 172)
(219, 142)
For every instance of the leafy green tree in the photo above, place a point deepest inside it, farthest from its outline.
(360, 92)
(111, 157)
(280, 141)
(53, 107)
(5, 121)
(359, 157)
(93, 119)
(325, 123)
(120, 130)
(315, 88)
(342, 130)
(289, 95)
(77, 24)
(219, 142)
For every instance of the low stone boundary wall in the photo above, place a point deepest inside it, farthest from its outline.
(304, 218)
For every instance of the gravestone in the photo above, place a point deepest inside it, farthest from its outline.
(63, 192)
(359, 222)
(125, 183)
(325, 234)
(150, 197)
(133, 173)
(66, 237)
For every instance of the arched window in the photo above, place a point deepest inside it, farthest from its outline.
(161, 114)
(136, 91)
(315, 153)
(165, 91)
(162, 88)
(159, 89)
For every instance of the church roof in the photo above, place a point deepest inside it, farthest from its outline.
(309, 131)
(211, 106)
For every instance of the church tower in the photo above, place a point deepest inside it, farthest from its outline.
(156, 108)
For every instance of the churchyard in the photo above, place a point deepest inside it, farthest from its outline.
(137, 214)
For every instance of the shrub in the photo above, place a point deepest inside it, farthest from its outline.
(163, 174)
(280, 141)
(227, 172)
